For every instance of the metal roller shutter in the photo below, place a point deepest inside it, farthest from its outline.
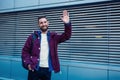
(95, 35)
(114, 33)
(7, 34)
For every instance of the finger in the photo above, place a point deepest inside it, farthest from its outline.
(65, 13)
(29, 67)
(32, 70)
(61, 17)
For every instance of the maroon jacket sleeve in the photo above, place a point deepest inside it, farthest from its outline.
(67, 33)
(26, 51)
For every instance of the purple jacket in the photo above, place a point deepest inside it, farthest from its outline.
(31, 50)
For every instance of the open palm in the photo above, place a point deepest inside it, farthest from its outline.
(65, 16)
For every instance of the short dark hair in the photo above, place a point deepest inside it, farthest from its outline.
(41, 17)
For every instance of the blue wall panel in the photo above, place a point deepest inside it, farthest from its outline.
(25, 3)
(77, 73)
(19, 5)
(51, 1)
(6, 4)
(114, 75)
(62, 75)
(5, 68)
(17, 71)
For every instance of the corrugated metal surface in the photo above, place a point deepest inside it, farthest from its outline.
(7, 36)
(114, 33)
(95, 36)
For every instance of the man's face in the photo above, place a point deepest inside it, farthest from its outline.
(43, 24)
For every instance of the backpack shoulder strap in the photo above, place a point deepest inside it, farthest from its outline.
(33, 37)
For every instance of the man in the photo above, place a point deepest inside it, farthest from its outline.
(39, 54)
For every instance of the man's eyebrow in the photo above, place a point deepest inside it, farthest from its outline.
(43, 21)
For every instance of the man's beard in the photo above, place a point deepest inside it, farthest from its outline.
(44, 29)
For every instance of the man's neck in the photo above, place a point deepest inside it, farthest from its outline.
(44, 32)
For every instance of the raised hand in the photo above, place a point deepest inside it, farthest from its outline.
(65, 16)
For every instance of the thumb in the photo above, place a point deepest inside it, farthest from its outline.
(29, 67)
(61, 17)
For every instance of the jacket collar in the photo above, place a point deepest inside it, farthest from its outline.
(38, 33)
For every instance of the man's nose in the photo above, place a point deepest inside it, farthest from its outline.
(44, 23)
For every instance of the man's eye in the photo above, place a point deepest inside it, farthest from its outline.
(45, 22)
